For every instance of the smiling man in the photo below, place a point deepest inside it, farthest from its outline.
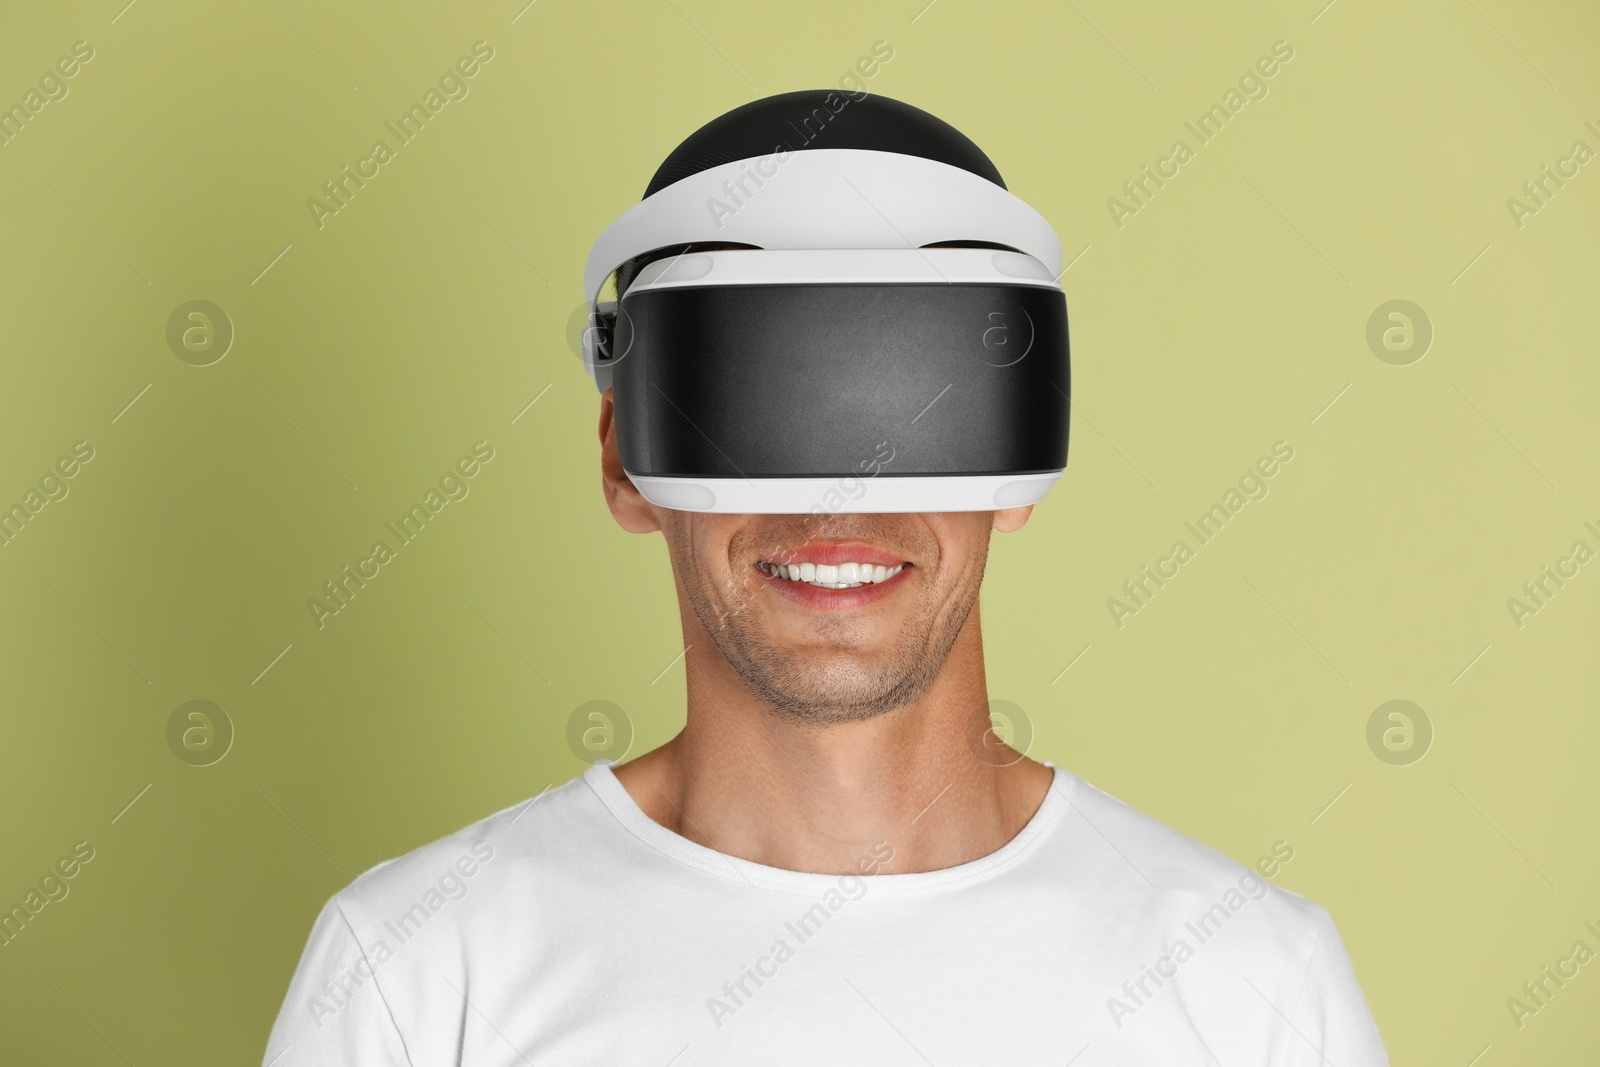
(836, 860)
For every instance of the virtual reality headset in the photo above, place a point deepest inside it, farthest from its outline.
(833, 361)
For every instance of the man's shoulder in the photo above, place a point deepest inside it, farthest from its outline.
(495, 858)
(1169, 879)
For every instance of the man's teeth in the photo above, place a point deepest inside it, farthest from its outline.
(826, 576)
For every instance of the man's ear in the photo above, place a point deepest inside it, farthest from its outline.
(1007, 520)
(632, 511)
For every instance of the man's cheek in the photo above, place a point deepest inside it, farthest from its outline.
(751, 588)
(741, 593)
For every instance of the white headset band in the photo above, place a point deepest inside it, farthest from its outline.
(824, 198)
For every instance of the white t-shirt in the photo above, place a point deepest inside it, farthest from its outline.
(573, 929)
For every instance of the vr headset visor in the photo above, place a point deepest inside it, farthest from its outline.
(836, 362)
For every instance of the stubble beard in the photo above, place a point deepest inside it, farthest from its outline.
(828, 687)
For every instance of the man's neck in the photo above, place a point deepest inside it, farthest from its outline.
(915, 783)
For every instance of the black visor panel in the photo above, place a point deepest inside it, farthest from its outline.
(821, 380)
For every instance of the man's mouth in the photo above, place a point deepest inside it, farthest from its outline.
(835, 565)
(850, 575)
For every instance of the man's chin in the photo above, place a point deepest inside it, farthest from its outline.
(833, 686)
(857, 650)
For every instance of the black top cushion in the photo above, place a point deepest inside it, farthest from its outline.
(805, 119)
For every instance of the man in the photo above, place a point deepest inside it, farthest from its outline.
(836, 860)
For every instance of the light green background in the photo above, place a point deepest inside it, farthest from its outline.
(1226, 315)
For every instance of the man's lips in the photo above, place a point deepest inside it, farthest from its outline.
(834, 574)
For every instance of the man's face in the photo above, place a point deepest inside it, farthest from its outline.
(831, 654)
